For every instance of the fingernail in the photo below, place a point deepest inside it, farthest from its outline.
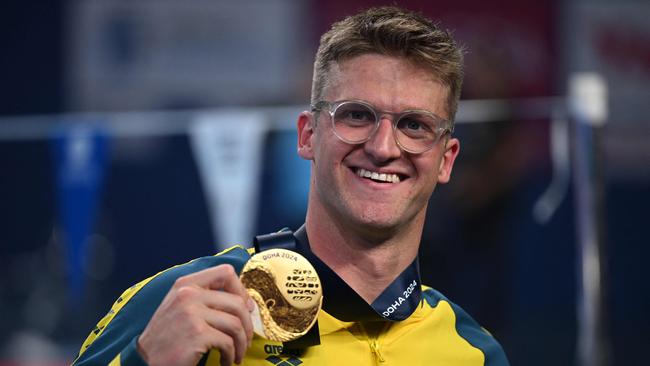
(251, 304)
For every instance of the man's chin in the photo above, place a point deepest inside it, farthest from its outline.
(377, 228)
(385, 223)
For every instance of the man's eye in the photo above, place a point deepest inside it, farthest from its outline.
(417, 127)
(354, 115)
(359, 115)
(413, 125)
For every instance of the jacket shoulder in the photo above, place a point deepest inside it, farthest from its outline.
(469, 329)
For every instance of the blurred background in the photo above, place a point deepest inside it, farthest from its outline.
(135, 135)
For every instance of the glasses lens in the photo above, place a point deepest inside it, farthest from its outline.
(354, 122)
(418, 132)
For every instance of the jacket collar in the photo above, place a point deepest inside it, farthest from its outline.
(397, 302)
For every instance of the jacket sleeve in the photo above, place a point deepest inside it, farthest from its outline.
(113, 341)
(129, 356)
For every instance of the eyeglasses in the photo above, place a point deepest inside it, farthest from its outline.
(355, 122)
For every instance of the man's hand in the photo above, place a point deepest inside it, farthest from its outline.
(203, 310)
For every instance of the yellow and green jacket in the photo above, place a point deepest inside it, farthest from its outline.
(437, 332)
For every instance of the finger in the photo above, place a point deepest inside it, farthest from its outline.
(221, 277)
(230, 282)
(230, 325)
(231, 304)
(224, 344)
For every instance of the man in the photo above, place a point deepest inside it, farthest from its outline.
(385, 92)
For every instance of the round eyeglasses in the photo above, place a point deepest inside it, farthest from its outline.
(355, 122)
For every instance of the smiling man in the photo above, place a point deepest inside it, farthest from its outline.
(369, 194)
(379, 138)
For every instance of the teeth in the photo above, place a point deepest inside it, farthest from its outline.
(382, 177)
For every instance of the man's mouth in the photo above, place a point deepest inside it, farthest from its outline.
(377, 177)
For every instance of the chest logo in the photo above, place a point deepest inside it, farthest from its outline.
(279, 361)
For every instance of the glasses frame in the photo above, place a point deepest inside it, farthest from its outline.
(332, 107)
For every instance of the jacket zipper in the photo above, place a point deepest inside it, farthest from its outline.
(374, 347)
(373, 341)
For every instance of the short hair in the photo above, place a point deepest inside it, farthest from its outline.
(396, 32)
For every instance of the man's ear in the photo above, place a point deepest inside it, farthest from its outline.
(306, 125)
(452, 147)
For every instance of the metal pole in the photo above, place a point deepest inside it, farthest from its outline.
(587, 105)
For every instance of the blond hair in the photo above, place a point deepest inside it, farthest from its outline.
(396, 32)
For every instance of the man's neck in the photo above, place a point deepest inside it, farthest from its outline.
(368, 267)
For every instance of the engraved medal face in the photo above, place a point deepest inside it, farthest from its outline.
(287, 293)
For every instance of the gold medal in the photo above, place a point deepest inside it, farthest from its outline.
(287, 293)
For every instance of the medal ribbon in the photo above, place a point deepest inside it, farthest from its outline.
(397, 302)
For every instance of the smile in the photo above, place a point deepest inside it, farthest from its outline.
(379, 177)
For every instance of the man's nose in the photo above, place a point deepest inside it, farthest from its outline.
(382, 145)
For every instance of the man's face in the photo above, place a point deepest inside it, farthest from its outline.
(390, 84)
